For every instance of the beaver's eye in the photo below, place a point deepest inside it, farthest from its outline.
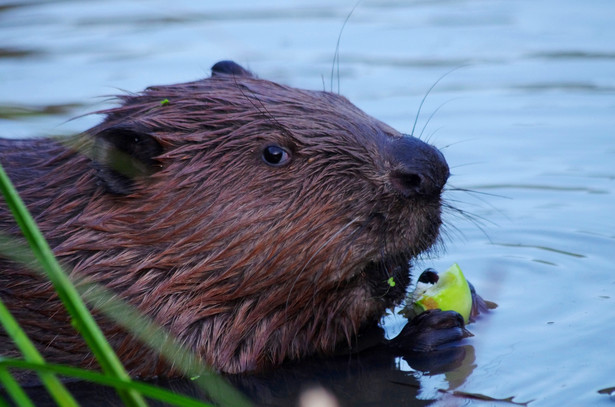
(275, 156)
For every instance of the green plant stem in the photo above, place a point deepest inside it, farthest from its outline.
(156, 337)
(143, 328)
(145, 389)
(31, 354)
(82, 318)
(139, 325)
(14, 390)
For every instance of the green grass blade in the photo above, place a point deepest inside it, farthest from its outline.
(82, 318)
(145, 389)
(14, 390)
(142, 328)
(130, 318)
(31, 354)
(156, 337)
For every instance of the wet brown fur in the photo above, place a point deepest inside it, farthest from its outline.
(248, 264)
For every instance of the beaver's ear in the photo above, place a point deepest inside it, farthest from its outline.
(121, 154)
(229, 68)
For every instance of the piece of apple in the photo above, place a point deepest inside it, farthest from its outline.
(447, 290)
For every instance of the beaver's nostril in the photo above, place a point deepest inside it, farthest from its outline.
(412, 184)
(418, 169)
(406, 183)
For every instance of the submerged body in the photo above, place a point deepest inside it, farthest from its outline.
(257, 222)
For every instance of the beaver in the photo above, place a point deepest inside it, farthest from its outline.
(257, 222)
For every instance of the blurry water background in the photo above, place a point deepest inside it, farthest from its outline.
(527, 123)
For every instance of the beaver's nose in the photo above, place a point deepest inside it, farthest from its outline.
(418, 169)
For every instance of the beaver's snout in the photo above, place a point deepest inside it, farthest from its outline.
(418, 169)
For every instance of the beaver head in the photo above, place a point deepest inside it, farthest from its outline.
(256, 221)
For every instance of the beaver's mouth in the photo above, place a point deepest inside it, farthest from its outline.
(388, 278)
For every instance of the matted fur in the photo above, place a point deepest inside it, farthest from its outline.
(246, 263)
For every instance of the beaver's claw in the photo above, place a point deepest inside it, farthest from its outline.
(429, 330)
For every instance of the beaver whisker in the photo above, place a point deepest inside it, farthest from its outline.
(478, 221)
(479, 195)
(418, 112)
(336, 55)
(431, 116)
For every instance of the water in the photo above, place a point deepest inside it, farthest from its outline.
(527, 123)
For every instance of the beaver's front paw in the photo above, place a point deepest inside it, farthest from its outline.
(429, 330)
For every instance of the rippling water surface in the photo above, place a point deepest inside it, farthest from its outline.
(527, 123)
